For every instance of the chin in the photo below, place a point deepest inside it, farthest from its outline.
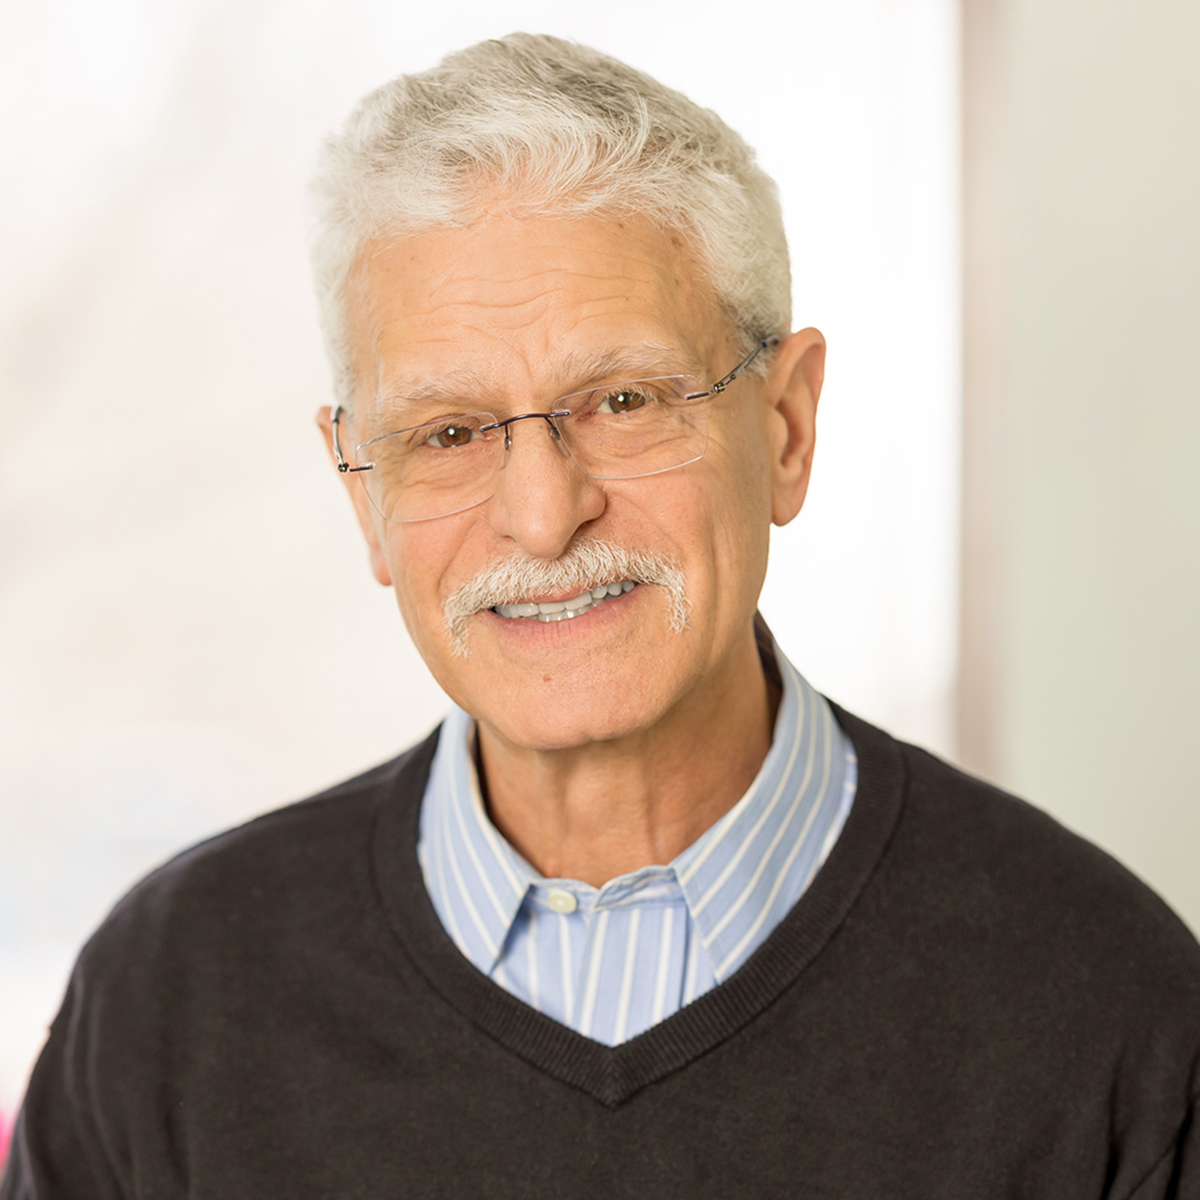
(553, 722)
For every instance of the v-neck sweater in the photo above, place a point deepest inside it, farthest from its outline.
(968, 1001)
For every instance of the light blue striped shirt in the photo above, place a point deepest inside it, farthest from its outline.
(610, 962)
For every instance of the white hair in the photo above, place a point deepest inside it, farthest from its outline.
(570, 132)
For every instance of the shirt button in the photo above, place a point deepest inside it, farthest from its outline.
(561, 900)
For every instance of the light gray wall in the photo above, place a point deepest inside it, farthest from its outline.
(1096, 688)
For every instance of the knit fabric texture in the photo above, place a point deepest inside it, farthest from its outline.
(968, 1001)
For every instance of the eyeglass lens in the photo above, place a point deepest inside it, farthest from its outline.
(621, 431)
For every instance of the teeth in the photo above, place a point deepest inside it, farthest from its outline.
(562, 610)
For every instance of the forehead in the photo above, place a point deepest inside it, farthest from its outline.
(530, 302)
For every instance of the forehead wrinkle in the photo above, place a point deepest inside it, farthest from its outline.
(464, 300)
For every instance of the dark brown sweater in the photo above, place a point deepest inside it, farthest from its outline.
(968, 1003)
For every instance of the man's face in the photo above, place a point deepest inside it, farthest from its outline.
(503, 315)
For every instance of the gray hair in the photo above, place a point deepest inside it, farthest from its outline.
(571, 132)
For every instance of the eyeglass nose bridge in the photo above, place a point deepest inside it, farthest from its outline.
(548, 417)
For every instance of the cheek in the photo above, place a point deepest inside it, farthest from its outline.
(417, 555)
(740, 465)
(428, 561)
(741, 513)
(717, 521)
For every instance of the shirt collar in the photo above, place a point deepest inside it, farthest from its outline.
(478, 882)
(724, 874)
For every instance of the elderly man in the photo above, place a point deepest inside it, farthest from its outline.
(647, 916)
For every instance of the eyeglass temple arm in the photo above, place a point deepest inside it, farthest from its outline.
(726, 380)
(335, 419)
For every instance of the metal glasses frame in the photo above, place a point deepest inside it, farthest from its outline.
(549, 417)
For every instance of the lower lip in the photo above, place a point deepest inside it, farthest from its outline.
(530, 630)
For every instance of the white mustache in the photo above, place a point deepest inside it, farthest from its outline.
(588, 563)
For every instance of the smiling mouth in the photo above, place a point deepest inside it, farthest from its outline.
(563, 610)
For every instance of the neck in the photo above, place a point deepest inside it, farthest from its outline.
(604, 809)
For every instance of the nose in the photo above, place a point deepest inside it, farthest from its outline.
(542, 495)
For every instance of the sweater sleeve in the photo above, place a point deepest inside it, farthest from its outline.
(58, 1151)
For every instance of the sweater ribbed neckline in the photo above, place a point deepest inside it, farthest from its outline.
(613, 1074)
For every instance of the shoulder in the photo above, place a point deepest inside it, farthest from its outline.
(263, 879)
(1006, 895)
(1017, 853)
(998, 849)
(229, 947)
(1023, 974)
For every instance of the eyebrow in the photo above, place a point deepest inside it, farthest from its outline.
(465, 389)
(418, 392)
(643, 360)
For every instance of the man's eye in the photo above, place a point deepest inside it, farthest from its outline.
(448, 437)
(622, 400)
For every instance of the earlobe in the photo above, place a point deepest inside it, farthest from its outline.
(379, 566)
(794, 388)
(362, 505)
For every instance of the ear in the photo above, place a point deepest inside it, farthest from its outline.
(793, 389)
(358, 496)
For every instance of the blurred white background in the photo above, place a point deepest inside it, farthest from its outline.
(188, 631)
